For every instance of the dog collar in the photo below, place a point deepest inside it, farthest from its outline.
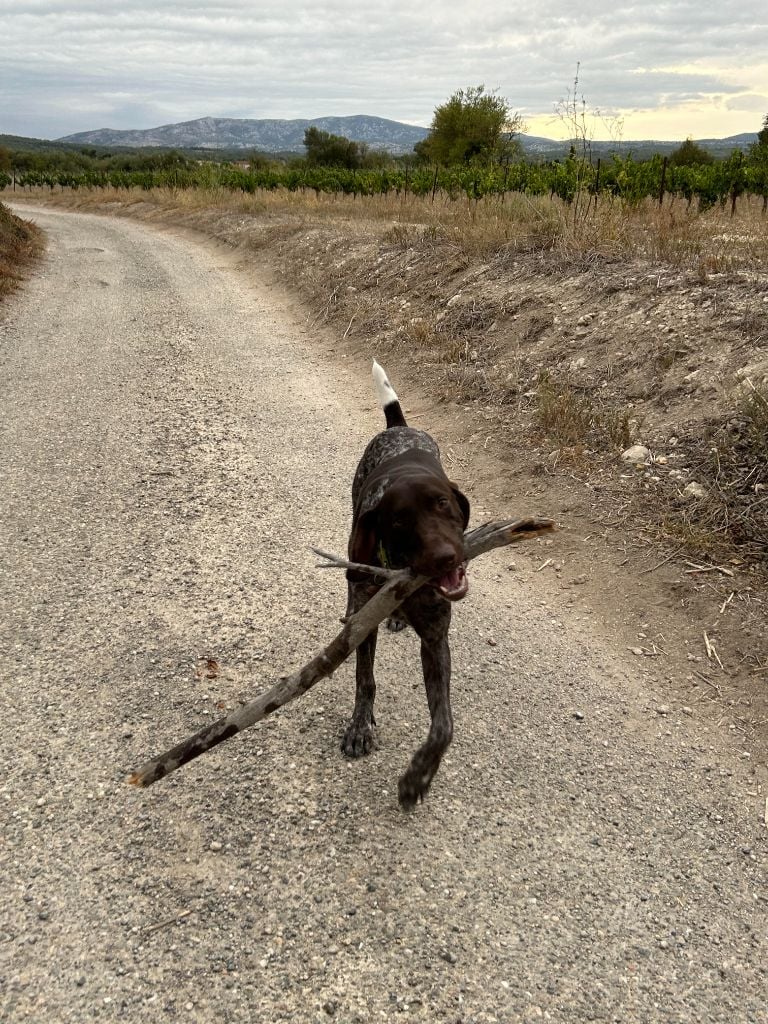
(382, 555)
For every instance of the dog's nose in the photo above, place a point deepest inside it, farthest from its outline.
(444, 559)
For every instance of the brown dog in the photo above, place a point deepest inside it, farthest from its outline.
(407, 513)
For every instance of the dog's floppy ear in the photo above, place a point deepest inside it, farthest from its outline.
(362, 543)
(463, 503)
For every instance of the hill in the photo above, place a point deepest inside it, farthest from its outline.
(268, 135)
(229, 137)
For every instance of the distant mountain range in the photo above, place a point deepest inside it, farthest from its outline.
(280, 136)
(267, 136)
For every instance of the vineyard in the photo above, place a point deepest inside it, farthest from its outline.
(722, 182)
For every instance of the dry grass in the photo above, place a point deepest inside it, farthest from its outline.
(675, 234)
(20, 243)
(569, 416)
(732, 465)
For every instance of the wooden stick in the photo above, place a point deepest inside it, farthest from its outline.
(334, 562)
(167, 922)
(658, 565)
(397, 589)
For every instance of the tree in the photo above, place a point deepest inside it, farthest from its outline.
(758, 151)
(333, 150)
(690, 154)
(258, 161)
(758, 161)
(473, 126)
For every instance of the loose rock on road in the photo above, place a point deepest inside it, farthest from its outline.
(172, 438)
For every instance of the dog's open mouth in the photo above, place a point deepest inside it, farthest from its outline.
(455, 584)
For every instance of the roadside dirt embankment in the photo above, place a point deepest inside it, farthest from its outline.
(20, 244)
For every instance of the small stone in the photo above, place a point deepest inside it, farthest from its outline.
(80, 980)
(637, 453)
(216, 846)
(330, 1007)
(579, 716)
(448, 956)
(693, 491)
(662, 709)
(637, 651)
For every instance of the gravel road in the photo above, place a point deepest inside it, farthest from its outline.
(172, 438)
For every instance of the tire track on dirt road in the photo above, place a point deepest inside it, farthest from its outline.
(172, 438)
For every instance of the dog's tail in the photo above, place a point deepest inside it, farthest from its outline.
(390, 403)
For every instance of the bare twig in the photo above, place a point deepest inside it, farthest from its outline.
(658, 565)
(167, 922)
(708, 646)
(758, 395)
(357, 627)
(709, 682)
(334, 562)
(696, 568)
(712, 650)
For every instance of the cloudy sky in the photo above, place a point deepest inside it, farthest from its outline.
(669, 69)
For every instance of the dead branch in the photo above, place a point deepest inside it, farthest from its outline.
(396, 589)
(334, 562)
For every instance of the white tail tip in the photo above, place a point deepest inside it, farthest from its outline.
(384, 390)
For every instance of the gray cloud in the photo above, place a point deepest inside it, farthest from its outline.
(69, 66)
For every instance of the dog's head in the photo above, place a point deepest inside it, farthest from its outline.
(416, 521)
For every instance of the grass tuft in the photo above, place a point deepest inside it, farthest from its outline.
(20, 243)
(570, 417)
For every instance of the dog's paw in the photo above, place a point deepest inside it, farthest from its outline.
(411, 789)
(395, 625)
(359, 739)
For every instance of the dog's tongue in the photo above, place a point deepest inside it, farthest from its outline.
(454, 585)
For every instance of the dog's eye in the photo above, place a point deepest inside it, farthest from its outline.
(442, 503)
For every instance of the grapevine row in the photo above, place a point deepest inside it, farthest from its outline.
(631, 180)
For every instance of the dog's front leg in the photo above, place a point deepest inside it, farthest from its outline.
(360, 734)
(436, 661)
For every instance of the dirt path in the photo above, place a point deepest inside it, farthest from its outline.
(170, 437)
